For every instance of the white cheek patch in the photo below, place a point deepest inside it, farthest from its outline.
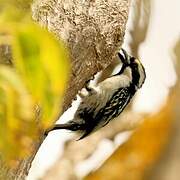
(128, 73)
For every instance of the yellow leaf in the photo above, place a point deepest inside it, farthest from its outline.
(43, 63)
(17, 115)
(38, 78)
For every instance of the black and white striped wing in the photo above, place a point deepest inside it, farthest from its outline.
(111, 110)
(115, 106)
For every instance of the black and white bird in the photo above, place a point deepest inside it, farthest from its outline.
(105, 101)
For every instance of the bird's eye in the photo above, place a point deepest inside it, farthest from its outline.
(132, 60)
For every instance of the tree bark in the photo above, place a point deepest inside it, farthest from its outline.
(93, 31)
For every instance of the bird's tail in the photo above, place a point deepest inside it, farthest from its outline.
(69, 126)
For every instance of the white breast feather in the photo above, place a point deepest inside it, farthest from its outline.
(104, 91)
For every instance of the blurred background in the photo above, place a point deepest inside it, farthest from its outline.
(151, 151)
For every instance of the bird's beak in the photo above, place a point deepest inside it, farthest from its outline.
(123, 68)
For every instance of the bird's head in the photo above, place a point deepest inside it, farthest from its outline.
(137, 69)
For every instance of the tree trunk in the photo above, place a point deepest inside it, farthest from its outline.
(93, 31)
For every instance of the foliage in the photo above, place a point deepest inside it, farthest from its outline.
(32, 90)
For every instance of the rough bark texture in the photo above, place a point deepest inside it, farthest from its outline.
(93, 30)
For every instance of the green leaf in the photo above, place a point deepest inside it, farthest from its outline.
(32, 91)
(42, 61)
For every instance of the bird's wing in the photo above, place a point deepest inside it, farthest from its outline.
(111, 110)
(114, 106)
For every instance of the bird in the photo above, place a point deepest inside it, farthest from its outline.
(105, 101)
